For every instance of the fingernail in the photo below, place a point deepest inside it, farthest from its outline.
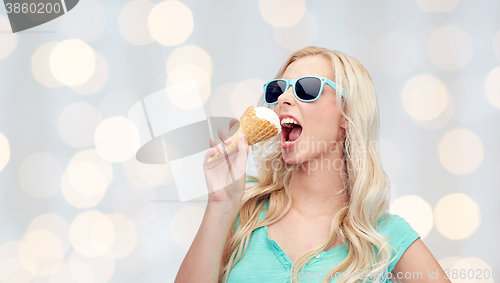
(228, 140)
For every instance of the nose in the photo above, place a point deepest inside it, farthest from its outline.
(287, 97)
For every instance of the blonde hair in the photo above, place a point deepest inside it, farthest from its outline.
(364, 180)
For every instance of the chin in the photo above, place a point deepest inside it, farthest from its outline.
(292, 158)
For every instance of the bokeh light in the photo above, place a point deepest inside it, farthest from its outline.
(92, 156)
(395, 54)
(116, 138)
(77, 199)
(185, 225)
(9, 40)
(468, 270)
(449, 262)
(146, 176)
(11, 268)
(133, 22)
(35, 258)
(185, 73)
(53, 223)
(431, 6)
(77, 124)
(117, 103)
(492, 87)
(72, 271)
(39, 175)
(97, 80)
(4, 151)
(461, 151)
(72, 62)
(190, 55)
(73, 196)
(300, 35)
(424, 97)
(135, 175)
(41, 66)
(488, 274)
(416, 211)
(457, 216)
(450, 48)
(126, 235)
(87, 21)
(154, 174)
(170, 23)
(246, 93)
(92, 233)
(45, 244)
(82, 272)
(282, 13)
(440, 121)
(86, 178)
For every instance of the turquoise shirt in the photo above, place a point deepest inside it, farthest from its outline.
(265, 261)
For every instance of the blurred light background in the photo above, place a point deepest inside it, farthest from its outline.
(77, 207)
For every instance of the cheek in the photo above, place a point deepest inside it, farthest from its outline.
(277, 109)
(327, 115)
(326, 122)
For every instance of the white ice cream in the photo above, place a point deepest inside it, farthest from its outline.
(268, 114)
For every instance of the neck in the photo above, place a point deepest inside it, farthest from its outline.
(317, 189)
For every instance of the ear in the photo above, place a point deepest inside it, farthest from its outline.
(343, 122)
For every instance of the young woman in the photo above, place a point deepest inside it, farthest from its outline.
(318, 209)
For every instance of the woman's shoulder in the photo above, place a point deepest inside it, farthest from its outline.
(393, 224)
(400, 233)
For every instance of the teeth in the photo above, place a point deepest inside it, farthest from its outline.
(287, 122)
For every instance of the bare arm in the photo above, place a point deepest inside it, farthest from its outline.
(225, 179)
(203, 260)
(417, 264)
(225, 248)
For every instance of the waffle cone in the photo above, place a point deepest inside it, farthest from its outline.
(255, 128)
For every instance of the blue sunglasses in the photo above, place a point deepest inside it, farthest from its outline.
(306, 89)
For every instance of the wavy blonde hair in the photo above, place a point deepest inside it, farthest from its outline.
(364, 181)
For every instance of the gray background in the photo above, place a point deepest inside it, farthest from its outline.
(395, 40)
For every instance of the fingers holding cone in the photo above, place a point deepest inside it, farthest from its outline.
(243, 149)
(232, 146)
(255, 128)
(216, 147)
(232, 122)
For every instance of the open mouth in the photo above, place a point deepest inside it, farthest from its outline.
(290, 134)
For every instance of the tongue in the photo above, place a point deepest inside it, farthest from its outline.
(295, 133)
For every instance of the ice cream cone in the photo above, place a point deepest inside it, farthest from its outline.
(256, 128)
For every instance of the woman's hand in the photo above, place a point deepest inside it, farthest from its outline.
(226, 176)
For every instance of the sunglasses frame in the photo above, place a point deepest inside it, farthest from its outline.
(293, 82)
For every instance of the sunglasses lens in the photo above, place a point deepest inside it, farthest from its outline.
(308, 88)
(274, 90)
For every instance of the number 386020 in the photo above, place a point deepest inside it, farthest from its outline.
(33, 8)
